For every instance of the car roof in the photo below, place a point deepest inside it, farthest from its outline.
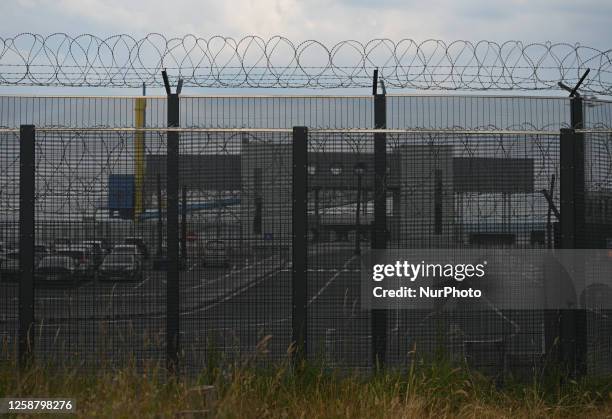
(126, 247)
(73, 248)
(56, 257)
(121, 254)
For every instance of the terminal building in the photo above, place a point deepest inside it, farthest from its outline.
(437, 196)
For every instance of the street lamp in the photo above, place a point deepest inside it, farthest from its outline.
(312, 171)
(359, 169)
(336, 170)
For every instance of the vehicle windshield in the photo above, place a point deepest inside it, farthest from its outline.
(120, 258)
(55, 261)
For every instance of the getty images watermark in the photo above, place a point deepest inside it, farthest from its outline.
(415, 271)
(512, 279)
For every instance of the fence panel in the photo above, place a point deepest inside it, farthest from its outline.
(597, 113)
(473, 191)
(459, 190)
(79, 111)
(340, 211)
(477, 112)
(9, 259)
(598, 235)
(236, 283)
(277, 111)
(99, 296)
(443, 191)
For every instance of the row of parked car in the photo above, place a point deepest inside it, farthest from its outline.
(68, 262)
(71, 263)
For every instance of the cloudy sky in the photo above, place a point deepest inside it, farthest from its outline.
(585, 21)
(588, 22)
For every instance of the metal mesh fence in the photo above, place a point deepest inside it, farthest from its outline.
(452, 180)
(236, 285)
(444, 190)
(597, 234)
(340, 170)
(9, 264)
(597, 113)
(98, 297)
(477, 112)
(474, 191)
(403, 111)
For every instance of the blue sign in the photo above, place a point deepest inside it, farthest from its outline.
(120, 192)
(268, 236)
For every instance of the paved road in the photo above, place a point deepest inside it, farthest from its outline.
(229, 312)
(225, 311)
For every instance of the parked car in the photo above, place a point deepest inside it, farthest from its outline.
(9, 266)
(101, 243)
(40, 251)
(216, 253)
(86, 265)
(130, 249)
(57, 270)
(9, 261)
(61, 242)
(140, 244)
(94, 244)
(97, 251)
(120, 266)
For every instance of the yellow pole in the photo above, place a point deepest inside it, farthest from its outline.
(139, 155)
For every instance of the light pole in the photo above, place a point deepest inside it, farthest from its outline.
(336, 170)
(359, 170)
(312, 171)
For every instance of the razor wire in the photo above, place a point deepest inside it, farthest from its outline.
(277, 62)
(75, 162)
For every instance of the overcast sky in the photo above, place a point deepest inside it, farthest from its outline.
(584, 21)
(588, 22)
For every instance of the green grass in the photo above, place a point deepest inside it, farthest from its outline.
(433, 389)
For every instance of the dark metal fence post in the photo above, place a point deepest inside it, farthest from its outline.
(379, 231)
(184, 222)
(299, 243)
(572, 322)
(160, 222)
(576, 113)
(172, 234)
(27, 185)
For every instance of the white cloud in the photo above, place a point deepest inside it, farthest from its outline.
(328, 21)
(325, 20)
